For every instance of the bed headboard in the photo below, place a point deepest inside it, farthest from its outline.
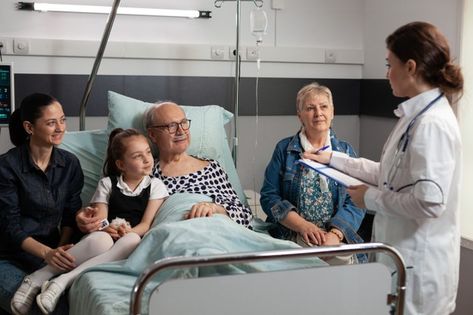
(208, 138)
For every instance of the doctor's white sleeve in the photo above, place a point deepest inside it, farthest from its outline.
(363, 169)
(434, 153)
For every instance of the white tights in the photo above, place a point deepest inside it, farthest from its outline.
(95, 248)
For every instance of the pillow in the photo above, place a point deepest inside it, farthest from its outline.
(90, 147)
(208, 135)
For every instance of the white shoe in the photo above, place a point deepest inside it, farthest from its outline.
(24, 296)
(49, 296)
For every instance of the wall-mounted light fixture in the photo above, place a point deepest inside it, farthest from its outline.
(51, 7)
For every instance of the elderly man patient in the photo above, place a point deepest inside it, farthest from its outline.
(168, 128)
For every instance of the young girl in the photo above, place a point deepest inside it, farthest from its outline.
(128, 192)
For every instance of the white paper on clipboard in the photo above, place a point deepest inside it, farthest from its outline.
(336, 175)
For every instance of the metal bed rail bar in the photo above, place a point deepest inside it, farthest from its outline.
(397, 300)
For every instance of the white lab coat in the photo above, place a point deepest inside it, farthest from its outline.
(420, 216)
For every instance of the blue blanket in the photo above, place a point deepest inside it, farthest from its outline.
(106, 289)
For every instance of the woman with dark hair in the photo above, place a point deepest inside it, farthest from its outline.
(40, 194)
(127, 198)
(418, 178)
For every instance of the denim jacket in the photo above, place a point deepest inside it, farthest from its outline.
(281, 187)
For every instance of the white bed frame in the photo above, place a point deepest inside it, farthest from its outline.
(352, 289)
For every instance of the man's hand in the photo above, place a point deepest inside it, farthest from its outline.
(204, 209)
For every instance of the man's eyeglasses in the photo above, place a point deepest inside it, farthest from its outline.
(185, 124)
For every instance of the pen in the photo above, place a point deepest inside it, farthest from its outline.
(325, 147)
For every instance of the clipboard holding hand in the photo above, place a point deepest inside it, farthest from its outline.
(340, 177)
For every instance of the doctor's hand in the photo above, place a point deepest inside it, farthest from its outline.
(320, 156)
(357, 194)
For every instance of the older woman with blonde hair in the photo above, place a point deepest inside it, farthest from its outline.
(305, 206)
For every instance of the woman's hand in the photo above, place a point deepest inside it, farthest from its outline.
(87, 219)
(203, 209)
(331, 239)
(312, 234)
(321, 156)
(60, 259)
(357, 194)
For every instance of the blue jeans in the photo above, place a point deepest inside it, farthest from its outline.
(11, 276)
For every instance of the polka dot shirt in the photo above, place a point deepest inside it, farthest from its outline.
(213, 182)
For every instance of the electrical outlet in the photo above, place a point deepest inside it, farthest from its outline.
(21, 46)
(217, 52)
(330, 56)
(232, 53)
(252, 53)
(4, 45)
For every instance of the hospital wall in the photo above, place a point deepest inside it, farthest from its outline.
(167, 58)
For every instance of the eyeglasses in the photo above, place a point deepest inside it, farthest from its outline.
(185, 124)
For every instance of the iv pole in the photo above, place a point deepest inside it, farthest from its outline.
(236, 91)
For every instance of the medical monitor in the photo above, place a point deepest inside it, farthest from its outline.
(7, 94)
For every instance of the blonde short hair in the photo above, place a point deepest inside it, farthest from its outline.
(312, 88)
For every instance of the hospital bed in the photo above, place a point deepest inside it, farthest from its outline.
(355, 289)
(248, 266)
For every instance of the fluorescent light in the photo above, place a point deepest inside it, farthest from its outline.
(51, 7)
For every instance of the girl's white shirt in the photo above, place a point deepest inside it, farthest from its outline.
(104, 188)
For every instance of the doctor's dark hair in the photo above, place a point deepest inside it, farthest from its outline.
(116, 149)
(423, 43)
(31, 108)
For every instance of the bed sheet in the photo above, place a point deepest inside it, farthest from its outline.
(106, 289)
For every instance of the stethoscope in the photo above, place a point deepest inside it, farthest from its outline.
(402, 146)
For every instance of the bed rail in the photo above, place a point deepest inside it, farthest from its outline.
(396, 300)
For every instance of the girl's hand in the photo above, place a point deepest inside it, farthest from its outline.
(123, 230)
(357, 194)
(60, 258)
(312, 234)
(321, 156)
(202, 209)
(113, 232)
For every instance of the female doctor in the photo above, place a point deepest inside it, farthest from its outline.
(417, 180)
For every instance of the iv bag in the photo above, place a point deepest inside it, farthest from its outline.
(258, 24)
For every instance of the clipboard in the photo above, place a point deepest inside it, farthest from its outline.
(340, 177)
